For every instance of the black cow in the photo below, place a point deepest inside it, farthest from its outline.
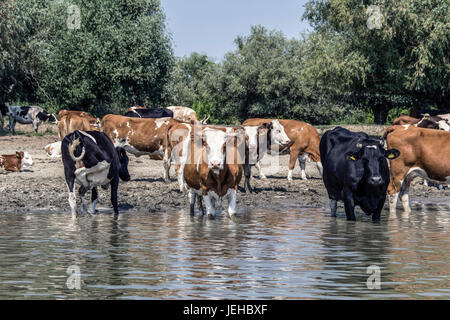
(26, 115)
(90, 160)
(149, 113)
(3, 112)
(355, 171)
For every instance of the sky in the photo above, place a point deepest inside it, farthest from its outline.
(210, 26)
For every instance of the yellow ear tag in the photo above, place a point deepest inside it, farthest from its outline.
(390, 156)
(352, 158)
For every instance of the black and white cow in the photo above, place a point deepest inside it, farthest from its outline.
(149, 113)
(26, 115)
(90, 160)
(355, 171)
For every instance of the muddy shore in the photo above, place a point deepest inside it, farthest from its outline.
(42, 187)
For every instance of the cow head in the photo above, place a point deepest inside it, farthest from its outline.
(371, 154)
(214, 144)
(27, 160)
(278, 134)
(123, 169)
(254, 134)
(44, 116)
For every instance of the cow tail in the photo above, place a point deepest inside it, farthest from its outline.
(72, 148)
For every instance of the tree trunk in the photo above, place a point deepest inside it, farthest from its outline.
(380, 113)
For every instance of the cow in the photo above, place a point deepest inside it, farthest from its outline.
(423, 152)
(140, 136)
(214, 167)
(256, 142)
(16, 162)
(184, 114)
(53, 150)
(431, 122)
(3, 113)
(91, 160)
(63, 113)
(300, 140)
(355, 171)
(79, 120)
(11, 162)
(26, 115)
(142, 112)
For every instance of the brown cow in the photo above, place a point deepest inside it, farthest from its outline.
(77, 120)
(12, 162)
(140, 136)
(423, 152)
(214, 167)
(304, 142)
(63, 113)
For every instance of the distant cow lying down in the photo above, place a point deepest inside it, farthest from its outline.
(53, 150)
(16, 162)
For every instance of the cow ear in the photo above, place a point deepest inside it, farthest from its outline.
(391, 154)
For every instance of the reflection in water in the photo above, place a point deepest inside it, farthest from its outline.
(284, 253)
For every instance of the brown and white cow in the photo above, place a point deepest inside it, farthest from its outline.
(184, 114)
(140, 136)
(76, 120)
(15, 162)
(423, 152)
(53, 150)
(301, 140)
(214, 167)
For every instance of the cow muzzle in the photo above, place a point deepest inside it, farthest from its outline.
(375, 181)
(216, 165)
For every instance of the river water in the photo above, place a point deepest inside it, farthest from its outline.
(282, 253)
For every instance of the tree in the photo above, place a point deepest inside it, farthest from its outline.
(121, 55)
(404, 45)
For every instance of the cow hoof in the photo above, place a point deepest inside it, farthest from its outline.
(263, 177)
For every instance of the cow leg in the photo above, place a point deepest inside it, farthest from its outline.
(12, 124)
(349, 204)
(192, 197)
(404, 197)
(393, 202)
(82, 192)
(302, 162)
(72, 198)
(200, 204)
(376, 215)
(333, 207)
(94, 199)
(261, 174)
(247, 174)
(232, 202)
(36, 126)
(114, 187)
(320, 168)
(292, 160)
(166, 161)
(395, 185)
(209, 208)
(2, 121)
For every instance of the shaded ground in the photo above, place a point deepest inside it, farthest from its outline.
(43, 187)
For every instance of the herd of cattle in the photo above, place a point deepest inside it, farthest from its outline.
(211, 159)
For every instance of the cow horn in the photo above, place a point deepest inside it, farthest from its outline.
(205, 118)
(72, 148)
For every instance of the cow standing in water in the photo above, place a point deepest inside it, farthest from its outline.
(91, 160)
(355, 171)
(214, 167)
(423, 152)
